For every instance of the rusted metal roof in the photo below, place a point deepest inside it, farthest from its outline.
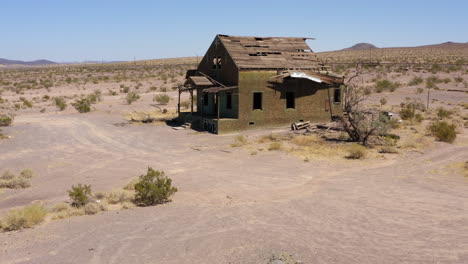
(199, 81)
(219, 89)
(271, 53)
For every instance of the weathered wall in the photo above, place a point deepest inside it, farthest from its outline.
(311, 103)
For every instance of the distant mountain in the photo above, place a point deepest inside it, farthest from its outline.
(18, 62)
(361, 46)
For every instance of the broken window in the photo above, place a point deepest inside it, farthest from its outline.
(257, 100)
(290, 100)
(337, 96)
(205, 99)
(229, 101)
(217, 62)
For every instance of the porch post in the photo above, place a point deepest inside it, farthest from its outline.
(191, 102)
(178, 103)
(218, 103)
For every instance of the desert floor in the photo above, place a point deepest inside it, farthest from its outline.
(232, 206)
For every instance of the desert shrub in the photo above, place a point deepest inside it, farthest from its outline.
(82, 105)
(239, 141)
(388, 149)
(356, 151)
(274, 146)
(153, 188)
(443, 131)
(120, 196)
(385, 85)
(80, 194)
(304, 140)
(132, 97)
(435, 68)
(60, 103)
(26, 103)
(383, 101)
(415, 81)
(408, 111)
(443, 113)
(162, 98)
(7, 175)
(5, 120)
(15, 183)
(11, 181)
(24, 217)
(60, 207)
(419, 90)
(99, 195)
(64, 210)
(92, 208)
(458, 79)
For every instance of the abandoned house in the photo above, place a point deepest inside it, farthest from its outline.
(248, 82)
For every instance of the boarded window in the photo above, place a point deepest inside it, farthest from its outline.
(205, 99)
(257, 101)
(290, 100)
(229, 101)
(337, 96)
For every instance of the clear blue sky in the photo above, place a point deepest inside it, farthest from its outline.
(68, 30)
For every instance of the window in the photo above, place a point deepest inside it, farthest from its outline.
(290, 100)
(257, 101)
(205, 99)
(337, 96)
(217, 62)
(229, 101)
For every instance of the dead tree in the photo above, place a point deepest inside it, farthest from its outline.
(359, 122)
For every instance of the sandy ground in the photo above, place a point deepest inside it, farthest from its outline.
(231, 207)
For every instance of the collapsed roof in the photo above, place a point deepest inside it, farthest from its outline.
(271, 53)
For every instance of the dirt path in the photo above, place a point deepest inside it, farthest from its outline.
(232, 207)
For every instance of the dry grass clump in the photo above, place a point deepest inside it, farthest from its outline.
(356, 151)
(388, 149)
(274, 146)
(64, 210)
(10, 181)
(131, 185)
(24, 217)
(239, 141)
(309, 140)
(120, 196)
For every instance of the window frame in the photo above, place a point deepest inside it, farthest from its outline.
(254, 101)
(335, 90)
(289, 98)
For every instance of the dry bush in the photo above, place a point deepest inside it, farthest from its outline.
(60, 103)
(415, 81)
(443, 131)
(132, 97)
(386, 85)
(162, 98)
(443, 113)
(64, 210)
(356, 151)
(11, 181)
(239, 141)
(309, 140)
(6, 120)
(27, 173)
(274, 146)
(127, 205)
(92, 208)
(388, 149)
(120, 196)
(24, 217)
